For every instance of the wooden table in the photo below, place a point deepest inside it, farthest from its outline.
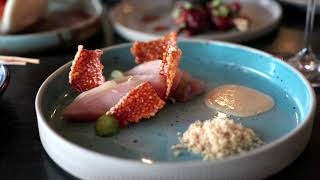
(22, 155)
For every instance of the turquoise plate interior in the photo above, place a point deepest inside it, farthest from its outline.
(214, 62)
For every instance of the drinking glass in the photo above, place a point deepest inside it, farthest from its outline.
(305, 60)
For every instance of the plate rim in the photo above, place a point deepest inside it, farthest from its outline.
(129, 33)
(194, 163)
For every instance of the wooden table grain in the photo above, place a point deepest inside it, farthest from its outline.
(22, 155)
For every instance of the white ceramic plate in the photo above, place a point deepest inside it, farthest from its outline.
(126, 19)
(68, 22)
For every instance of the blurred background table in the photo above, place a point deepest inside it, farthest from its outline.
(22, 155)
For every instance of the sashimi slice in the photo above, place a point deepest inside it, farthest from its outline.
(86, 70)
(151, 50)
(184, 86)
(151, 67)
(141, 102)
(157, 81)
(143, 91)
(90, 105)
(165, 49)
(188, 88)
(150, 71)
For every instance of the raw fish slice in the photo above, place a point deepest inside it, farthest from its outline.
(157, 81)
(86, 70)
(188, 88)
(152, 50)
(141, 102)
(150, 71)
(164, 49)
(78, 109)
(151, 67)
(184, 86)
(143, 94)
(90, 105)
(197, 87)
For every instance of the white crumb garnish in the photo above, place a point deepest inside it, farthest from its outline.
(217, 138)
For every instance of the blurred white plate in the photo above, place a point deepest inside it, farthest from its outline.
(67, 22)
(127, 20)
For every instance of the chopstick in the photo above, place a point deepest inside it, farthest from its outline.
(15, 60)
(13, 63)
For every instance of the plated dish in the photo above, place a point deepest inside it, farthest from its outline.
(193, 18)
(140, 93)
(284, 129)
(51, 24)
(4, 79)
(136, 23)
